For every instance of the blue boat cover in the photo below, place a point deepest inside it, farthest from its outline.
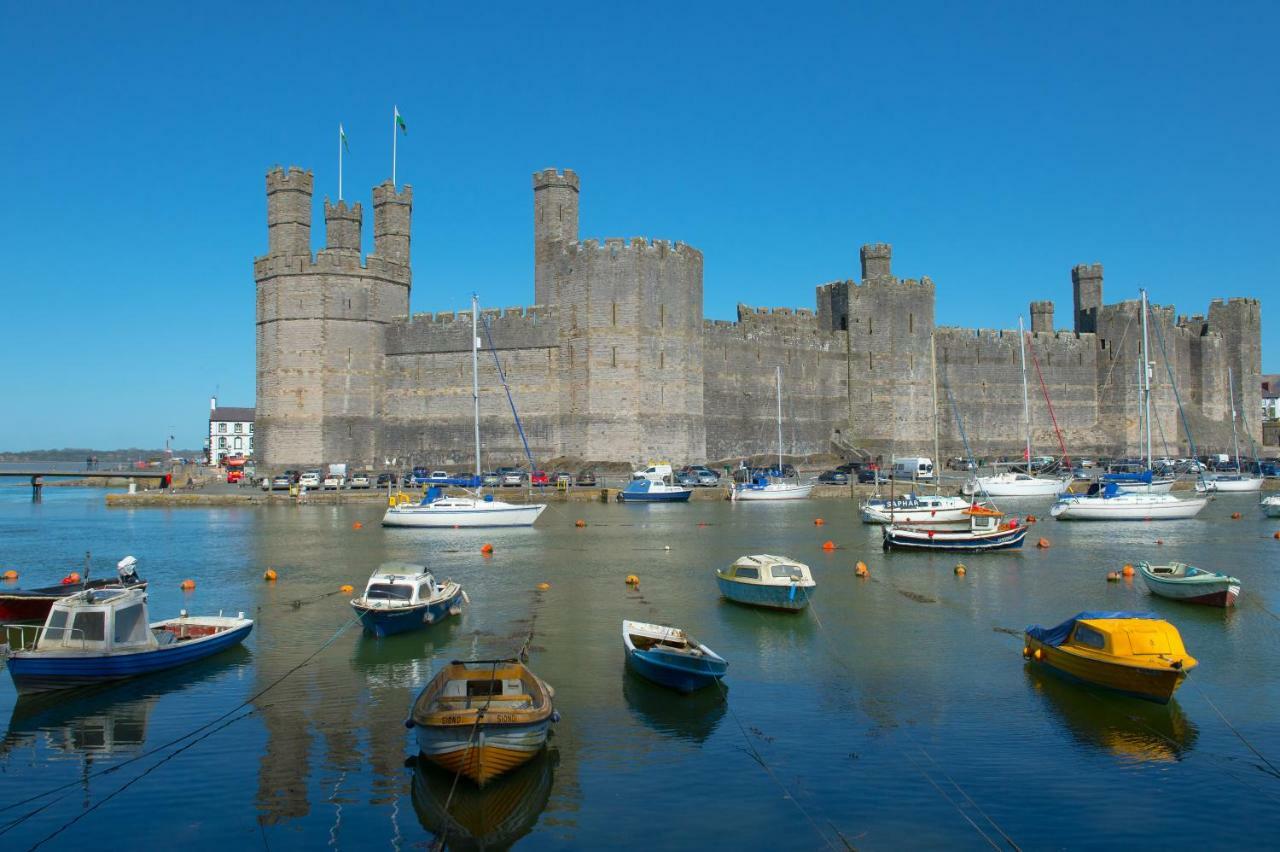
(1055, 636)
(1145, 476)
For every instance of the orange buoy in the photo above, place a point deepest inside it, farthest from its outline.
(346, 588)
(817, 522)
(73, 577)
(828, 545)
(1042, 543)
(357, 525)
(633, 580)
(1113, 576)
(269, 575)
(187, 585)
(1127, 570)
(702, 524)
(1026, 652)
(1159, 541)
(1031, 519)
(1276, 535)
(486, 549)
(1235, 516)
(861, 570)
(10, 574)
(960, 569)
(542, 587)
(579, 523)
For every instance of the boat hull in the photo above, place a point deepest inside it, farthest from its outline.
(677, 496)
(502, 515)
(770, 493)
(896, 538)
(1210, 591)
(1137, 682)
(1246, 485)
(790, 598)
(1120, 509)
(35, 671)
(878, 515)
(34, 604)
(388, 622)
(677, 672)
(482, 751)
(996, 487)
(1271, 507)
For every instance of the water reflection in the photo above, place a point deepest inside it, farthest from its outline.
(492, 817)
(1125, 727)
(692, 717)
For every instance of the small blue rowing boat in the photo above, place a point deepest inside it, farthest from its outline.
(769, 581)
(102, 634)
(669, 657)
(400, 597)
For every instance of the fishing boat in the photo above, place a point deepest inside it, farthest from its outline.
(776, 582)
(100, 635)
(773, 486)
(1135, 653)
(985, 532)
(483, 717)
(669, 657)
(930, 509)
(438, 511)
(1271, 506)
(401, 597)
(1182, 582)
(654, 484)
(1109, 501)
(34, 604)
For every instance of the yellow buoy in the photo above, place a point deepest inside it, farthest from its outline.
(542, 587)
(960, 569)
(1039, 654)
(188, 585)
(486, 549)
(269, 575)
(346, 588)
(10, 574)
(861, 570)
(633, 580)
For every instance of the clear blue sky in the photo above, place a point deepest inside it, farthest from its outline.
(995, 145)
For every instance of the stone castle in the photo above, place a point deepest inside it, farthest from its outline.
(614, 361)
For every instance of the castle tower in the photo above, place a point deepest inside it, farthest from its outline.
(1239, 321)
(342, 226)
(877, 262)
(555, 225)
(289, 211)
(1086, 288)
(392, 214)
(1042, 317)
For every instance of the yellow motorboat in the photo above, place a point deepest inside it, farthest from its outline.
(1135, 653)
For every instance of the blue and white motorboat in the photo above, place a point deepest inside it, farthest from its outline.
(102, 635)
(654, 484)
(669, 657)
(776, 582)
(400, 597)
(931, 509)
(985, 532)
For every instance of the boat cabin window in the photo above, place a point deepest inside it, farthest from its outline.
(388, 592)
(131, 626)
(89, 626)
(984, 523)
(55, 629)
(792, 572)
(1086, 635)
(747, 573)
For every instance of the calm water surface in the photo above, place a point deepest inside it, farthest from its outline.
(896, 713)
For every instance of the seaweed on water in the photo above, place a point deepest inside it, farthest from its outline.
(916, 596)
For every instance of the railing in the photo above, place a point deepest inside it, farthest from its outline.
(38, 632)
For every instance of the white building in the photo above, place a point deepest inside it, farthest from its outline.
(1271, 397)
(230, 432)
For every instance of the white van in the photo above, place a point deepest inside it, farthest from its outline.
(913, 468)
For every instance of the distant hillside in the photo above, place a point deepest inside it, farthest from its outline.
(79, 454)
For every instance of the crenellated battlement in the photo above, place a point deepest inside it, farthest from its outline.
(535, 326)
(635, 244)
(877, 261)
(295, 178)
(546, 178)
(1086, 270)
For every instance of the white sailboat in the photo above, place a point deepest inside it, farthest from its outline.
(1110, 503)
(441, 512)
(1239, 481)
(773, 487)
(1014, 483)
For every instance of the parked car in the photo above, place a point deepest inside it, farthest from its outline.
(871, 474)
(708, 478)
(833, 477)
(687, 479)
(538, 477)
(562, 478)
(959, 463)
(586, 477)
(513, 478)
(490, 480)
(293, 476)
(359, 480)
(234, 475)
(310, 479)
(387, 478)
(334, 481)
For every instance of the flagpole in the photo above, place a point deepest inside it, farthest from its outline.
(339, 162)
(394, 112)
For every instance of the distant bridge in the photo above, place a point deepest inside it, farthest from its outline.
(37, 476)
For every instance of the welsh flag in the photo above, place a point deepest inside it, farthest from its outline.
(400, 122)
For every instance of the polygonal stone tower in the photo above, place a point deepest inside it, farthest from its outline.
(555, 225)
(1086, 289)
(1042, 317)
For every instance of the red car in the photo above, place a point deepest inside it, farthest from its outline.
(538, 477)
(235, 475)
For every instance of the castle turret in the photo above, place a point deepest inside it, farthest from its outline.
(1239, 321)
(342, 226)
(392, 213)
(289, 211)
(1086, 288)
(877, 262)
(555, 225)
(1042, 317)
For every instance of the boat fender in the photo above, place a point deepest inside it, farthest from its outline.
(792, 594)
(409, 723)
(1177, 664)
(1039, 654)
(555, 715)
(427, 617)
(465, 597)
(1026, 652)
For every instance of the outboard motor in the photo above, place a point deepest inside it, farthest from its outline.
(127, 570)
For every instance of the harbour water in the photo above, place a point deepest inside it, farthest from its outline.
(897, 712)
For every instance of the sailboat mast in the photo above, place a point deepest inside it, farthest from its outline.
(1235, 440)
(1026, 405)
(475, 374)
(937, 461)
(778, 376)
(1146, 379)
